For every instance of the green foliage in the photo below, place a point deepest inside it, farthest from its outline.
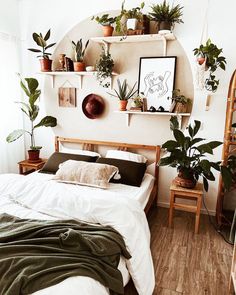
(174, 123)
(178, 97)
(104, 67)
(31, 110)
(79, 52)
(104, 20)
(166, 12)
(135, 12)
(123, 92)
(42, 42)
(214, 60)
(189, 157)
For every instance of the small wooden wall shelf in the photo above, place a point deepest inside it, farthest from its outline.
(136, 39)
(130, 113)
(80, 76)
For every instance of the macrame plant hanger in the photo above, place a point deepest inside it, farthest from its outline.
(200, 69)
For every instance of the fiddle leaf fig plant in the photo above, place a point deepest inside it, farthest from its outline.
(31, 110)
(42, 42)
(214, 60)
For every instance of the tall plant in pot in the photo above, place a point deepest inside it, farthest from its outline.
(31, 110)
(79, 52)
(104, 68)
(45, 61)
(124, 94)
(166, 15)
(107, 23)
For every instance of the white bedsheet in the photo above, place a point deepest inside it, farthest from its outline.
(119, 206)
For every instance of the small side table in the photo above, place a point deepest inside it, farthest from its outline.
(26, 167)
(185, 193)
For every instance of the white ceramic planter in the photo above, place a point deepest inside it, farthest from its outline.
(132, 23)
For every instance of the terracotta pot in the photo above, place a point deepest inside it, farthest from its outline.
(185, 179)
(34, 155)
(123, 105)
(107, 31)
(180, 107)
(46, 65)
(79, 66)
(201, 60)
(164, 27)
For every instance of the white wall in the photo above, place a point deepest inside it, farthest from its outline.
(61, 16)
(9, 17)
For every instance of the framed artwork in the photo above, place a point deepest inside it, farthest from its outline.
(156, 80)
(67, 97)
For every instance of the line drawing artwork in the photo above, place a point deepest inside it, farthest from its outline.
(156, 83)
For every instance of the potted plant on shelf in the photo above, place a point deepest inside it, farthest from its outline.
(31, 110)
(166, 16)
(181, 101)
(133, 16)
(45, 61)
(124, 94)
(106, 21)
(104, 68)
(79, 52)
(211, 55)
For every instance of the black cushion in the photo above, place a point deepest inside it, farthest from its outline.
(131, 172)
(52, 164)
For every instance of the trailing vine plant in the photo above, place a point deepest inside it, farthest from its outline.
(104, 67)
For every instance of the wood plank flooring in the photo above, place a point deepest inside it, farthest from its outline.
(187, 263)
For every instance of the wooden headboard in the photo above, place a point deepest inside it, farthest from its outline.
(91, 144)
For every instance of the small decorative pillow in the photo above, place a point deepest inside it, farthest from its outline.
(85, 173)
(115, 154)
(78, 152)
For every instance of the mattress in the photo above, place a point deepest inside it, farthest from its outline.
(31, 192)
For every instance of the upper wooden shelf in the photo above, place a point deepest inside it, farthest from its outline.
(135, 38)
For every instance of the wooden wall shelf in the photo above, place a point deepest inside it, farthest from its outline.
(80, 76)
(130, 113)
(136, 39)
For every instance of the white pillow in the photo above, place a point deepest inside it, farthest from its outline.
(115, 154)
(151, 169)
(85, 173)
(78, 152)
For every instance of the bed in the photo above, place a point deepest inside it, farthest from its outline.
(37, 196)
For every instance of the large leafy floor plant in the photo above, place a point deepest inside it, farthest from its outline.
(31, 110)
(188, 153)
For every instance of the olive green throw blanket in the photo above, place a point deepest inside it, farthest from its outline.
(36, 254)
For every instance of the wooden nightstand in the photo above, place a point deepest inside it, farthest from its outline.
(185, 193)
(26, 167)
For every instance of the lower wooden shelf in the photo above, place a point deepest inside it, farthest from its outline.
(130, 113)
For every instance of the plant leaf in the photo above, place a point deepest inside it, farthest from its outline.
(214, 144)
(47, 121)
(170, 145)
(196, 127)
(47, 36)
(226, 177)
(15, 135)
(179, 136)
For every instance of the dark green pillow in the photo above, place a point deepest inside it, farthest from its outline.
(52, 164)
(131, 172)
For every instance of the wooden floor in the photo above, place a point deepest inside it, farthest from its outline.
(184, 262)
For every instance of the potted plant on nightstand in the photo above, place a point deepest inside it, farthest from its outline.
(211, 55)
(45, 61)
(124, 94)
(181, 101)
(106, 21)
(166, 16)
(79, 52)
(31, 110)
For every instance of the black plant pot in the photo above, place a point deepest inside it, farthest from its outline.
(164, 27)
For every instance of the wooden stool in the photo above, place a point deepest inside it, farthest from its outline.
(185, 193)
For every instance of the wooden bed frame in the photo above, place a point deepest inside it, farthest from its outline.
(91, 144)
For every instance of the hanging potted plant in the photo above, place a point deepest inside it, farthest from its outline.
(45, 61)
(107, 23)
(166, 16)
(212, 56)
(104, 68)
(181, 101)
(79, 52)
(124, 94)
(31, 110)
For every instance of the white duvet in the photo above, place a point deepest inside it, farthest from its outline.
(37, 196)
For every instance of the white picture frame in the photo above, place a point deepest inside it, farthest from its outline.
(156, 80)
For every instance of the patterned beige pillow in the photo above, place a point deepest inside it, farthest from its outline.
(86, 173)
